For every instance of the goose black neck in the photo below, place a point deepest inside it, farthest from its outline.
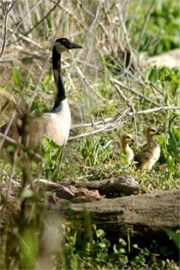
(61, 94)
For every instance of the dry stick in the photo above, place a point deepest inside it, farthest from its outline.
(155, 110)
(142, 83)
(133, 18)
(12, 173)
(29, 17)
(107, 127)
(101, 25)
(7, 128)
(89, 85)
(87, 37)
(39, 81)
(145, 23)
(41, 20)
(60, 159)
(10, 140)
(7, 11)
(19, 24)
(127, 40)
(100, 122)
(131, 114)
(70, 13)
(133, 91)
(26, 39)
(130, 105)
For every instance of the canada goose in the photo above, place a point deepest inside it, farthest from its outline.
(54, 124)
(150, 153)
(126, 140)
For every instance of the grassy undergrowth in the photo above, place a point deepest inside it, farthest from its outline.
(110, 34)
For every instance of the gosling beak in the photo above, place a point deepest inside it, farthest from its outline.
(132, 141)
(158, 133)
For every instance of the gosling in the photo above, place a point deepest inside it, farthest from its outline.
(127, 139)
(150, 154)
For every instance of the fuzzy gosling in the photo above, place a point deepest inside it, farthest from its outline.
(126, 140)
(150, 153)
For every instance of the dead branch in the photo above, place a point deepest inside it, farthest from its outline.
(117, 117)
(7, 8)
(145, 22)
(114, 185)
(142, 215)
(89, 191)
(134, 92)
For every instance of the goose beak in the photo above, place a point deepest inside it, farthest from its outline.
(132, 142)
(73, 45)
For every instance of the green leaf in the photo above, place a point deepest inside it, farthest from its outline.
(174, 236)
(16, 76)
(176, 133)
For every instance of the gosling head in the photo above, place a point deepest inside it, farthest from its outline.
(151, 132)
(64, 44)
(127, 139)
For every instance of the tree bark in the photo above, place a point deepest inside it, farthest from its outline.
(81, 191)
(137, 214)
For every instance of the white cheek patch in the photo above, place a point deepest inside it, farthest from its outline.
(60, 48)
(56, 75)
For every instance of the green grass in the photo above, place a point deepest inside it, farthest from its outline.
(92, 98)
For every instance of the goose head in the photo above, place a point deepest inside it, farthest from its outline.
(64, 44)
(127, 139)
(151, 132)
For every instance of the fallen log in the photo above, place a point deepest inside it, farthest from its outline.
(121, 184)
(90, 190)
(137, 214)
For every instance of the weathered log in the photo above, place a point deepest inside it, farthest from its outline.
(89, 191)
(114, 185)
(137, 214)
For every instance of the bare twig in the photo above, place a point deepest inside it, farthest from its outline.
(133, 91)
(89, 85)
(7, 9)
(132, 55)
(12, 173)
(41, 20)
(145, 23)
(26, 39)
(27, 13)
(130, 105)
(106, 127)
(7, 128)
(51, 184)
(10, 140)
(130, 114)
(88, 34)
(70, 12)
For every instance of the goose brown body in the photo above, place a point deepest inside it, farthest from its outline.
(54, 124)
(150, 153)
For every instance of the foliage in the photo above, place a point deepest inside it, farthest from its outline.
(98, 252)
(162, 29)
(109, 32)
